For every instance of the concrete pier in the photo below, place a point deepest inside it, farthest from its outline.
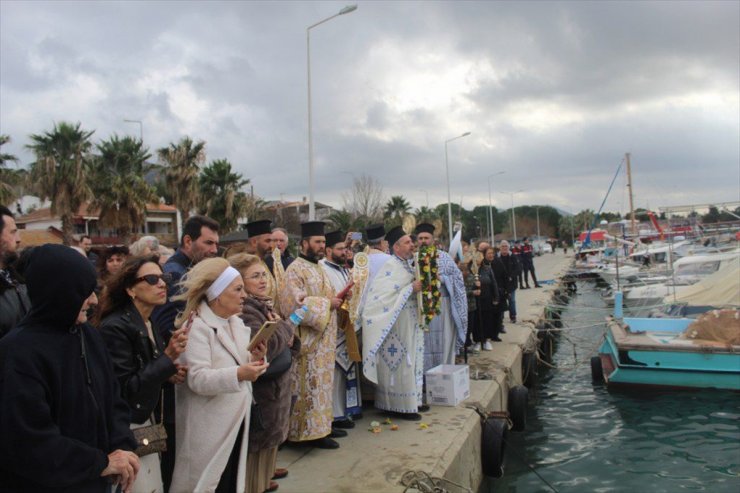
(446, 443)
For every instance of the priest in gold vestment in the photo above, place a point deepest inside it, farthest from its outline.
(306, 283)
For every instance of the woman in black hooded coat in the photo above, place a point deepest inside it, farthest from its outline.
(63, 424)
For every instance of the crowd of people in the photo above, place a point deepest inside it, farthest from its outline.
(153, 372)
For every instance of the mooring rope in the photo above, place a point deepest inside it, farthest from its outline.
(426, 483)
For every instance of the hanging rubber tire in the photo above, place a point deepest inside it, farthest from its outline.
(597, 371)
(529, 369)
(518, 398)
(493, 447)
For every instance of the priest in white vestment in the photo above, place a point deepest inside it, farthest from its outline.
(393, 342)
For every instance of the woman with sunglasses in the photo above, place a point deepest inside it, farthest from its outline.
(141, 361)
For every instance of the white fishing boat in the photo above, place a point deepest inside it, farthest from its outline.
(686, 272)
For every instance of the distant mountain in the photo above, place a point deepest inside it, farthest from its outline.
(562, 212)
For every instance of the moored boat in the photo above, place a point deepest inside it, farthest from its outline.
(661, 352)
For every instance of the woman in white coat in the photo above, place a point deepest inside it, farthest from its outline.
(213, 407)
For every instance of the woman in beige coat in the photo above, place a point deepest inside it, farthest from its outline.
(213, 407)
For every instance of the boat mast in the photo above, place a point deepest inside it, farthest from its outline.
(632, 206)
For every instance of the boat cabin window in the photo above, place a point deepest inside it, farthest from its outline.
(699, 268)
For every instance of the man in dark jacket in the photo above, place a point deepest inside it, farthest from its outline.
(63, 424)
(527, 258)
(513, 269)
(14, 303)
(199, 241)
(280, 238)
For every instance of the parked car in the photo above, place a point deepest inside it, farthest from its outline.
(541, 246)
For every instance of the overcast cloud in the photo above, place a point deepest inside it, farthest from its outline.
(554, 93)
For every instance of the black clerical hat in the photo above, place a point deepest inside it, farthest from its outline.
(375, 232)
(334, 237)
(424, 228)
(312, 228)
(394, 235)
(261, 227)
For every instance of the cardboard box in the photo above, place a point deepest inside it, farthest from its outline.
(448, 385)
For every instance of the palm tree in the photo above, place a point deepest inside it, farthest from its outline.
(221, 195)
(341, 220)
(120, 190)
(425, 215)
(60, 172)
(182, 164)
(397, 207)
(4, 158)
(9, 179)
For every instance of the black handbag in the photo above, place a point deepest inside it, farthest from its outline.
(279, 365)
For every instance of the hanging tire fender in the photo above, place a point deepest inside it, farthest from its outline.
(493, 446)
(518, 399)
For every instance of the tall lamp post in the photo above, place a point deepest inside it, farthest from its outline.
(141, 127)
(513, 211)
(449, 200)
(490, 207)
(311, 205)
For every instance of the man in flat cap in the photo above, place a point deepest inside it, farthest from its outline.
(447, 330)
(306, 283)
(393, 344)
(347, 401)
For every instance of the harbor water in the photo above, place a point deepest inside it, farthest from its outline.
(581, 437)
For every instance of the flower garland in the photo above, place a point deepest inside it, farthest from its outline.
(430, 284)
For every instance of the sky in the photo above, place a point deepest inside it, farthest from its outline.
(553, 93)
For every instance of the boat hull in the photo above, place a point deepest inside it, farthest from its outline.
(625, 363)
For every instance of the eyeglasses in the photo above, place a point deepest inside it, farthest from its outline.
(153, 279)
(257, 277)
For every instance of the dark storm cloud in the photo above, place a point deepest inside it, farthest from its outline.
(554, 92)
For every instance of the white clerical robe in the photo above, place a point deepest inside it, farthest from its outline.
(448, 329)
(346, 399)
(393, 342)
(306, 283)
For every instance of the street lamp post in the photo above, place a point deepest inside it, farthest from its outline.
(449, 200)
(141, 127)
(490, 207)
(538, 223)
(311, 205)
(513, 211)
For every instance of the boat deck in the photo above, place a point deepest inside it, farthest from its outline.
(650, 334)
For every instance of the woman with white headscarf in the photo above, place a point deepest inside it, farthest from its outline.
(213, 408)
